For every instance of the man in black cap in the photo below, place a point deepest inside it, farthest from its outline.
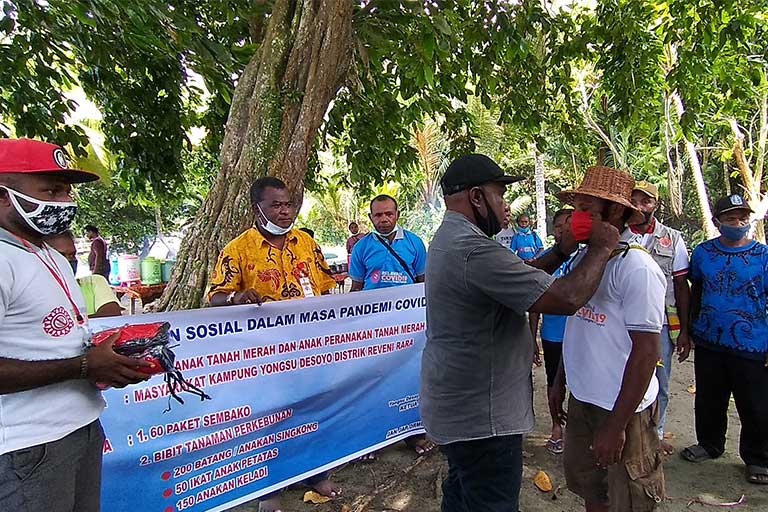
(730, 332)
(476, 381)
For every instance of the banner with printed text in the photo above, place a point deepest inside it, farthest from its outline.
(298, 387)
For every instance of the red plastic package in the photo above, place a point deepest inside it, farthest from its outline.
(149, 342)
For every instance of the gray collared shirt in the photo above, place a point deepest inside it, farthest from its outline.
(476, 379)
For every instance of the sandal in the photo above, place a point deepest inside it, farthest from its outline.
(555, 446)
(696, 453)
(757, 475)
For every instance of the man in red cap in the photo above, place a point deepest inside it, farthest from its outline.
(50, 437)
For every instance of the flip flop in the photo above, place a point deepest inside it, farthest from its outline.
(335, 491)
(555, 446)
(695, 453)
(757, 475)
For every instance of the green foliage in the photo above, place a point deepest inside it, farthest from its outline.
(494, 77)
(132, 59)
(126, 221)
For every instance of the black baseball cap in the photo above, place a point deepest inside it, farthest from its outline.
(472, 170)
(729, 203)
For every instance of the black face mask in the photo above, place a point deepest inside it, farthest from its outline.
(489, 225)
(648, 216)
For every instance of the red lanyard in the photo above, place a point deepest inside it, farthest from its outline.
(57, 276)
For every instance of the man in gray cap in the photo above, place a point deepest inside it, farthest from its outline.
(476, 380)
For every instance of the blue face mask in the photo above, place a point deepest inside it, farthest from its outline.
(733, 234)
(525, 231)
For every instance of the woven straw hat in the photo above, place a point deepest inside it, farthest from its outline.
(609, 184)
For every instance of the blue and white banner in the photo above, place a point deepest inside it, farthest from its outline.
(297, 387)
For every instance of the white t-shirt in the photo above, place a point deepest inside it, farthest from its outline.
(597, 345)
(505, 236)
(37, 322)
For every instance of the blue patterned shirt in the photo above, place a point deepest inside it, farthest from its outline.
(734, 282)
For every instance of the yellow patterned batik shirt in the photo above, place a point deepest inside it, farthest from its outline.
(249, 261)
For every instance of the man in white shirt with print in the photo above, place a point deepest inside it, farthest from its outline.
(50, 437)
(610, 350)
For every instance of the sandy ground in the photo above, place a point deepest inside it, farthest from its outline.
(383, 486)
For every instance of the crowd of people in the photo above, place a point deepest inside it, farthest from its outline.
(611, 298)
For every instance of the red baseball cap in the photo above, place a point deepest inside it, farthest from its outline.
(27, 156)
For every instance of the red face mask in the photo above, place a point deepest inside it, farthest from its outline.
(581, 226)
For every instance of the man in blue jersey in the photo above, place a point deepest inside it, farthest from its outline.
(526, 243)
(552, 332)
(730, 333)
(390, 256)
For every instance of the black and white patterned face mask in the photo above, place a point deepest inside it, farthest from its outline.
(48, 217)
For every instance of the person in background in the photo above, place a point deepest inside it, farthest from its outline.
(354, 229)
(507, 233)
(272, 261)
(476, 376)
(98, 261)
(526, 243)
(730, 335)
(552, 332)
(610, 350)
(100, 300)
(51, 440)
(667, 248)
(390, 256)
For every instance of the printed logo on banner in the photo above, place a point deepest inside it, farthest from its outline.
(293, 395)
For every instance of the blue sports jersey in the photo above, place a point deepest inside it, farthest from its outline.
(733, 283)
(526, 245)
(373, 264)
(553, 326)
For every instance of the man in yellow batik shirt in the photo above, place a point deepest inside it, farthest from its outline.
(272, 261)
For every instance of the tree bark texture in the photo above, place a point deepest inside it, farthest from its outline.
(541, 194)
(277, 108)
(698, 175)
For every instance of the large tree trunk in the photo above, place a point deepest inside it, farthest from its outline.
(698, 175)
(277, 108)
(541, 194)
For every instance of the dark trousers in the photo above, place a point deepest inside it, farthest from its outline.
(718, 374)
(60, 476)
(484, 475)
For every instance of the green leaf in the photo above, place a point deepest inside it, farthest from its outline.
(441, 24)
